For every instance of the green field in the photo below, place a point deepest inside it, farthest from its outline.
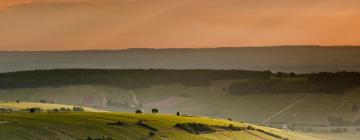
(64, 126)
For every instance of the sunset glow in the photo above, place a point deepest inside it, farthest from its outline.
(119, 24)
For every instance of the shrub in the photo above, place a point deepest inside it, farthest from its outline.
(78, 109)
(138, 111)
(155, 110)
(32, 110)
(5, 110)
(55, 110)
(62, 109)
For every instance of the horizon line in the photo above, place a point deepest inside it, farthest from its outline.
(195, 48)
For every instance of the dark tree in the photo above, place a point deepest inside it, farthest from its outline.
(17, 101)
(155, 110)
(138, 111)
(32, 110)
(177, 113)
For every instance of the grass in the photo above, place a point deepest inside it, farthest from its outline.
(80, 125)
(45, 106)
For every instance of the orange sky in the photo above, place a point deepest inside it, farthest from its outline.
(118, 24)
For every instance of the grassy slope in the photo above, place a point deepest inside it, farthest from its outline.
(81, 125)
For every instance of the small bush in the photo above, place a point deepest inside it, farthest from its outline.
(155, 110)
(5, 110)
(78, 109)
(55, 110)
(32, 110)
(138, 111)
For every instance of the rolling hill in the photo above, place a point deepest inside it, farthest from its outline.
(202, 93)
(130, 126)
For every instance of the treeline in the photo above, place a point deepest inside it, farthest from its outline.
(335, 83)
(127, 79)
(251, 81)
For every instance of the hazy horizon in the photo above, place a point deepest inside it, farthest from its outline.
(286, 59)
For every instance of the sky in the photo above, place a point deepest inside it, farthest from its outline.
(27, 25)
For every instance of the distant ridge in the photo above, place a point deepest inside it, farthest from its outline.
(300, 59)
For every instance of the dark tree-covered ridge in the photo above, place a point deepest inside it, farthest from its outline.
(250, 81)
(129, 78)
